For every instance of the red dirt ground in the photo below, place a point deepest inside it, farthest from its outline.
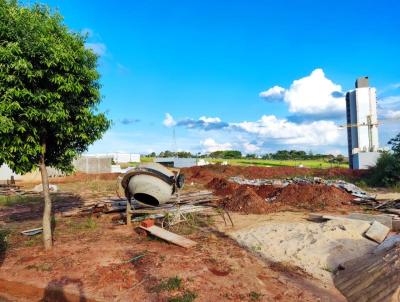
(252, 199)
(89, 262)
(205, 174)
(92, 264)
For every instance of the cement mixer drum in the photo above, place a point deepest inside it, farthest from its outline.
(151, 183)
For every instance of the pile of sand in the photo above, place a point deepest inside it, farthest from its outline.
(317, 248)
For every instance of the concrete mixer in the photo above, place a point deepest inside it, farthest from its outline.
(151, 183)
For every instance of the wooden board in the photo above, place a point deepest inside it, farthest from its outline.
(169, 236)
(372, 277)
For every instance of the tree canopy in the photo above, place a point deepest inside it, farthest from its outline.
(49, 90)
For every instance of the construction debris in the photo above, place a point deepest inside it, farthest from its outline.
(39, 188)
(374, 277)
(32, 232)
(385, 219)
(12, 189)
(263, 199)
(348, 187)
(169, 236)
(184, 202)
(377, 232)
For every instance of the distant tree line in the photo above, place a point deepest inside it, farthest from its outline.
(235, 154)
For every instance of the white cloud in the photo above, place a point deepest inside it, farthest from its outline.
(250, 148)
(98, 48)
(210, 120)
(210, 145)
(270, 127)
(169, 120)
(391, 114)
(313, 94)
(273, 93)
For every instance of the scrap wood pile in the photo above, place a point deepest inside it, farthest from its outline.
(12, 189)
(372, 277)
(260, 196)
(186, 202)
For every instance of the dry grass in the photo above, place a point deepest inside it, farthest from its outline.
(97, 186)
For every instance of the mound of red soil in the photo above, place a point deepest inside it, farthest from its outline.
(265, 191)
(267, 198)
(204, 174)
(312, 196)
(222, 186)
(247, 201)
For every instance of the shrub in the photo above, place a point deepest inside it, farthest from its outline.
(386, 171)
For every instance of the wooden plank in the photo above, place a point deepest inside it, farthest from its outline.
(169, 236)
(372, 277)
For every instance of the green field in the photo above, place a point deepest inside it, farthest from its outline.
(271, 163)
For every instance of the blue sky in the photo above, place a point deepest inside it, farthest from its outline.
(205, 64)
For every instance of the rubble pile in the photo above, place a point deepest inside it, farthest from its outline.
(266, 196)
(204, 174)
(350, 188)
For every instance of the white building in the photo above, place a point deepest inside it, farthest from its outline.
(125, 157)
(362, 125)
(6, 173)
(119, 157)
(176, 162)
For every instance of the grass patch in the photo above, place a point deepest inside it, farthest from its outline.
(254, 296)
(33, 241)
(9, 201)
(308, 163)
(4, 240)
(88, 224)
(92, 185)
(191, 224)
(44, 267)
(187, 296)
(170, 284)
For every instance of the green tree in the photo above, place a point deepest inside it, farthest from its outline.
(49, 92)
(387, 169)
(395, 143)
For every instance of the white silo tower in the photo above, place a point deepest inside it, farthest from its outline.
(362, 125)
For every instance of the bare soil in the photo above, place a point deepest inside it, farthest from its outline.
(204, 174)
(268, 199)
(90, 260)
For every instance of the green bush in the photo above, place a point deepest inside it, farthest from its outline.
(386, 171)
(3, 240)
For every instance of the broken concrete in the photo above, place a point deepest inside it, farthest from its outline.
(377, 232)
(382, 218)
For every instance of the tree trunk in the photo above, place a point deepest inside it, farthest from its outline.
(47, 236)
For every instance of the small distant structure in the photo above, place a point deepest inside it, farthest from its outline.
(175, 162)
(6, 174)
(362, 125)
(93, 164)
(120, 158)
